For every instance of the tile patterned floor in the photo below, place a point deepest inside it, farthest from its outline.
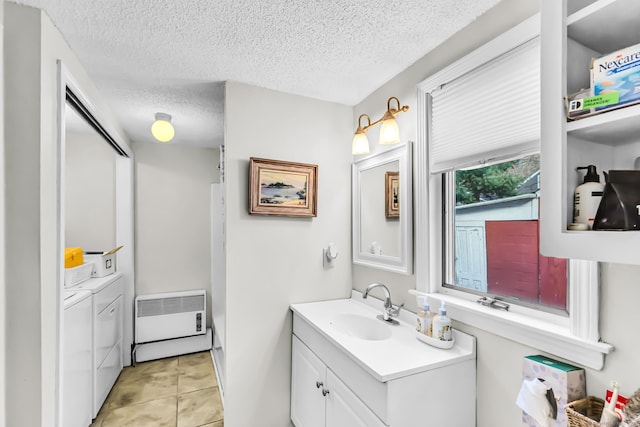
(174, 392)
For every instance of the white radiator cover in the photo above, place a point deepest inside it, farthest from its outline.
(170, 315)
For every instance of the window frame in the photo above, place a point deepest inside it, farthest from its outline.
(576, 337)
(448, 247)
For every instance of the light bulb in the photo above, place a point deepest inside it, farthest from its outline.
(162, 129)
(389, 132)
(360, 144)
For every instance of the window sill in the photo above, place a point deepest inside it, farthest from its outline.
(542, 334)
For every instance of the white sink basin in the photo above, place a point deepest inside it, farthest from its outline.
(386, 352)
(359, 326)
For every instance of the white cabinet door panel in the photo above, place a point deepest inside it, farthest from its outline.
(108, 330)
(307, 401)
(344, 409)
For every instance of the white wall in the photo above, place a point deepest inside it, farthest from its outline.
(173, 226)
(90, 192)
(499, 361)
(22, 172)
(502, 17)
(275, 261)
(32, 45)
(3, 299)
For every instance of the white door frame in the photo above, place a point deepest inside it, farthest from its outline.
(53, 232)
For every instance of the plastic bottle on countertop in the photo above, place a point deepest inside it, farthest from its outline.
(424, 318)
(587, 197)
(442, 324)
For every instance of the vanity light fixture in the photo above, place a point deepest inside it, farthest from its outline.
(162, 129)
(389, 132)
(360, 142)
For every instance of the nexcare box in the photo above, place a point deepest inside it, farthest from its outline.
(618, 73)
(567, 382)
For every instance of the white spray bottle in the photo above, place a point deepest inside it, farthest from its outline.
(587, 197)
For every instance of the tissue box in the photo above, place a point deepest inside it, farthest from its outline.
(104, 262)
(567, 381)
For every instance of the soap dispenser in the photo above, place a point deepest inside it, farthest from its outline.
(442, 324)
(424, 317)
(587, 196)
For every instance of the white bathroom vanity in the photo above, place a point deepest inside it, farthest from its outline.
(351, 369)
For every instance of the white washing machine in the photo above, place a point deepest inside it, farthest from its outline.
(107, 320)
(77, 358)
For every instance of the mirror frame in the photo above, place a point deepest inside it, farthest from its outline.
(404, 263)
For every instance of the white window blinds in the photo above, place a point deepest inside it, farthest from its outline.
(491, 112)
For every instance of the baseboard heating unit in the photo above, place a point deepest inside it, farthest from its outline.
(170, 324)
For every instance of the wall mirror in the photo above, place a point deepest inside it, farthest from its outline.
(382, 210)
(90, 186)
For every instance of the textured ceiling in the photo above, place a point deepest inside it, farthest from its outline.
(173, 56)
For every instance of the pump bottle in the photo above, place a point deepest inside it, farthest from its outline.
(442, 324)
(424, 317)
(587, 197)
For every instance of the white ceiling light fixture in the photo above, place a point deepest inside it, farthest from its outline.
(162, 129)
(389, 131)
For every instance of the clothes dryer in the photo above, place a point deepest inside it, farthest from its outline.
(76, 359)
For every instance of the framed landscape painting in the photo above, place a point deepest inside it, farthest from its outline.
(282, 188)
(392, 195)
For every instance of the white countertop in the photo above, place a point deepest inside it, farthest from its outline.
(95, 284)
(400, 355)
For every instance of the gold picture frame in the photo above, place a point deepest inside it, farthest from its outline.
(392, 194)
(282, 188)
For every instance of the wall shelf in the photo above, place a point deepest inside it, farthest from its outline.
(606, 25)
(610, 140)
(616, 127)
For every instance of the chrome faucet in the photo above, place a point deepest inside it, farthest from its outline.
(389, 310)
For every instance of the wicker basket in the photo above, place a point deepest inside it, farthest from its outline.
(585, 412)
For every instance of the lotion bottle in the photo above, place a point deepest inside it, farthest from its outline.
(587, 196)
(424, 317)
(442, 324)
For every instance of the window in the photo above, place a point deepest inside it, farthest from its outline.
(481, 111)
(492, 245)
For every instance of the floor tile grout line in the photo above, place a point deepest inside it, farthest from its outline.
(191, 366)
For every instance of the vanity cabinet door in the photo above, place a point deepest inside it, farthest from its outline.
(344, 409)
(307, 383)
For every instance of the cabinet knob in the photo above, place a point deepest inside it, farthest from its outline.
(319, 384)
(325, 391)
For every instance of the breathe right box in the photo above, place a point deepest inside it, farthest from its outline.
(567, 381)
(617, 74)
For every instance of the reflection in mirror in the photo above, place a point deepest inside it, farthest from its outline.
(90, 186)
(381, 211)
(93, 211)
(379, 233)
